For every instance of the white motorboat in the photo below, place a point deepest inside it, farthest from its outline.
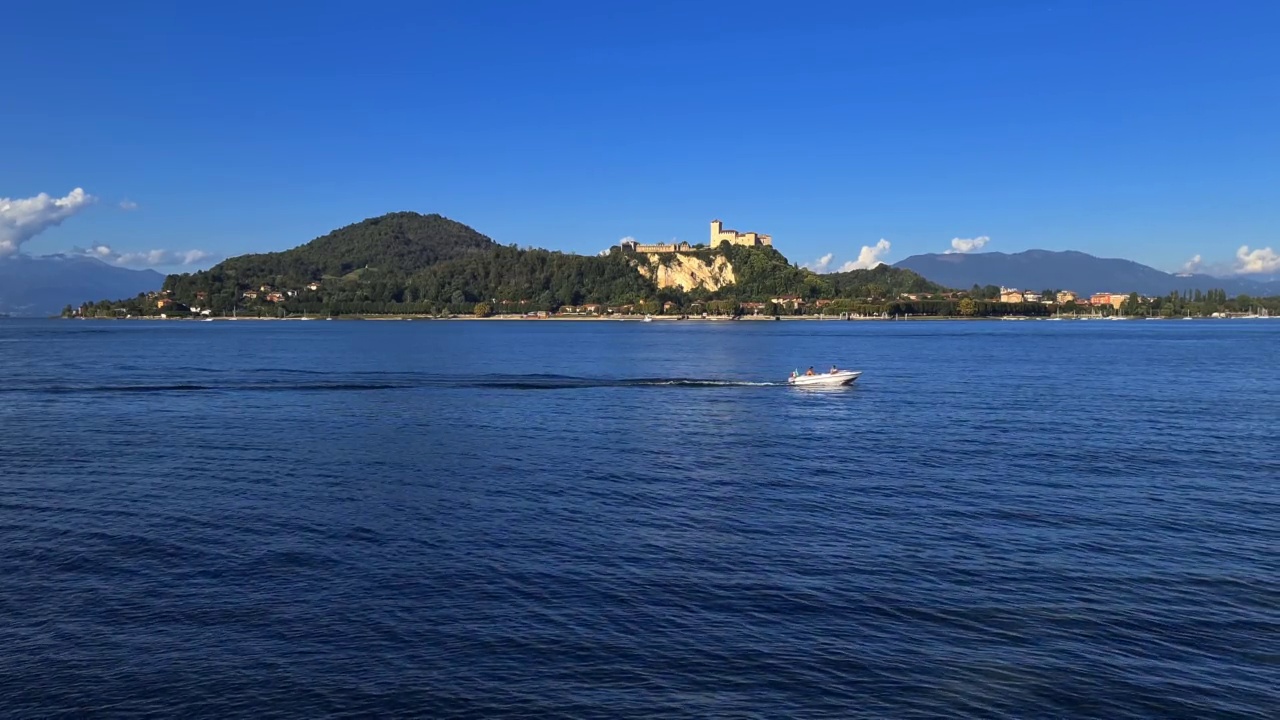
(828, 379)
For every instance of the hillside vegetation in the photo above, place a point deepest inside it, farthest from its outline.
(399, 243)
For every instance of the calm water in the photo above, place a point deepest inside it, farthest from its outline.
(1001, 519)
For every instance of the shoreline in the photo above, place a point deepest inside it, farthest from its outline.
(641, 318)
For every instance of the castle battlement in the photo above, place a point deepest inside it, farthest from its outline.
(664, 248)
(718, 236)
(634, 246)
(733, 237)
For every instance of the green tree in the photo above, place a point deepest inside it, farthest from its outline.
(968, 307)
(1134, 302)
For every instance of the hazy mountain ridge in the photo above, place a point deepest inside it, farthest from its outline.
(1038, 270)
(44, 285)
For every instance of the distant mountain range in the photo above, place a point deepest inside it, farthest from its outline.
(1038, 270)
(42, 286)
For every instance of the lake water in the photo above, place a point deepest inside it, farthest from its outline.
(555, 519)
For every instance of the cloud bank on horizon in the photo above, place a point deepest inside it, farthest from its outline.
(21, 219)
(868, 257)
(148, 259)
(967, 245)
(1256, 262)
(24, 218)
(821, 264)
(1247, 261)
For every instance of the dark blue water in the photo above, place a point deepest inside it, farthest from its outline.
(376, 519)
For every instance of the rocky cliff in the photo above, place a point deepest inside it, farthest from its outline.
(687, 272)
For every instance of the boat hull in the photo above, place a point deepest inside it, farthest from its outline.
(844, 377)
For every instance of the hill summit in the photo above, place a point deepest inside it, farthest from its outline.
(402, 242)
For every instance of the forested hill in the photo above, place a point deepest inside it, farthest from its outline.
(410, 263)
(401, 243)
(880, 281)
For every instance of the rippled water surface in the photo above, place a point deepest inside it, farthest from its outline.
(554, 519)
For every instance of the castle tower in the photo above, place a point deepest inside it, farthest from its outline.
(733, 237)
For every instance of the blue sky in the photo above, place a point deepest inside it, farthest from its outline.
(1146, 130)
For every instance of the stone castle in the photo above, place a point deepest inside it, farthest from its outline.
(733, 237)
(718, 235)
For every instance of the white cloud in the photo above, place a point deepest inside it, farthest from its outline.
(128, 205)
(606, 251)
(150, 258)
(869, 257)
(1193, 265)
(1262, 260)
(23, 218)
(102, 252)
(820, 265)
(966, 245)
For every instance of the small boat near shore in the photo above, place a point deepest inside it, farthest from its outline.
(830, 379)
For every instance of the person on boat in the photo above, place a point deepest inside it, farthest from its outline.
(834, 370)
(810, 371)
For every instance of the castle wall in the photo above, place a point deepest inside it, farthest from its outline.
(664, 248)
(718, 235)
(733, 237)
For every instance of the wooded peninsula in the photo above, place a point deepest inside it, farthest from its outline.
(407, 263)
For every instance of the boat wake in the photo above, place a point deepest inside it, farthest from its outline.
(309, 381)
(563, 382)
